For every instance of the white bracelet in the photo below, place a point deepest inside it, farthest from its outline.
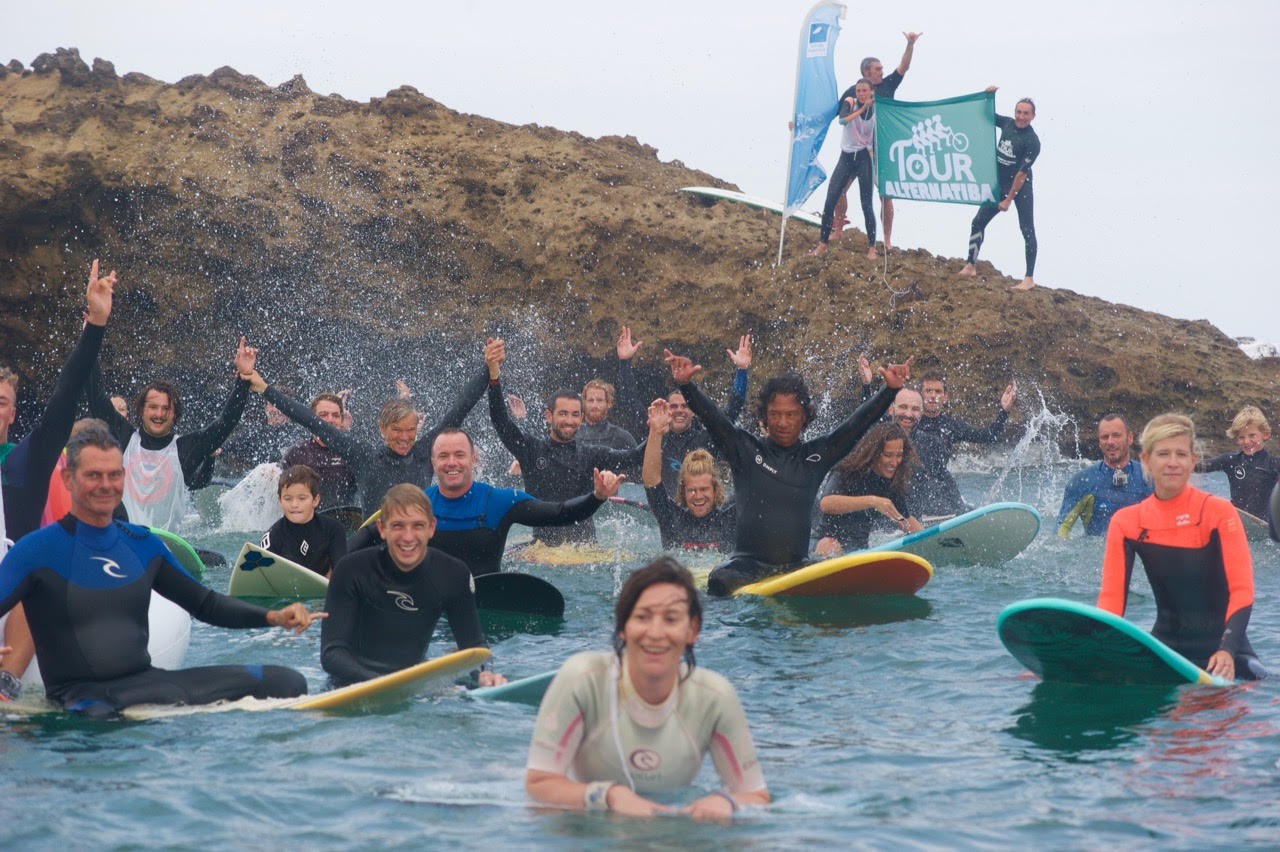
(596, 796)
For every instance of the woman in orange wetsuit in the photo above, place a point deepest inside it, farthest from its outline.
(1194, 551)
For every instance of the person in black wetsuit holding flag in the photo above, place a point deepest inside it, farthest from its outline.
(1018, 148)
(776, 478)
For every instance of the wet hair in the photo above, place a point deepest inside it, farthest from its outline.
(395, 410)
(1163, 427)
(327, 397)
(1114, 416)
(934, 376)
(865, 64)
(868, 450)
(787, 383)
(698, 463)
(401, 498)
(1029, 103)
(664, 569)
(562, 393)
(600, 384)
(299, 474)
(87, 423)
(1248, 416)
(862, 80)
(168, 389)
(452, 430)
(96, 436)
(9, 377)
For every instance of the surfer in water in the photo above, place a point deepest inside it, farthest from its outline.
(933, 390)
(1195, 553)
(1094, 494)
(86, 582)
(933, 488)
(776, 477)
(868, 486)
(597, 401)
(616, 728)
(337, 481)
(1252, 471)
(313, 541)
(697, 518)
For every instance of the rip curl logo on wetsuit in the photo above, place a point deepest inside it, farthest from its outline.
(645, 759)
(403, 600)
(110, 566)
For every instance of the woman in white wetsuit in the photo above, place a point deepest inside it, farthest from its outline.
(615, 727)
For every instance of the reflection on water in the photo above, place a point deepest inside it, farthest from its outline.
(1072, 717)
(846, 613)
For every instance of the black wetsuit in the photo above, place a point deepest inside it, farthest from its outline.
(933, 489)
(606, 434)
(87, 593)
(194, 448)
(381, 618)
(680, 529)
(953, 430)
(318, 544)
(1016, 151)
(557, 471)
(853, 529)
(474, 527)
(337, 482)
(26, 467)
(775, 487)
(1252, 479)
(379, 467)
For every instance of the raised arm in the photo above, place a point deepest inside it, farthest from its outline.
(194, 447)
(842, 439)
(516, 441)
(741, 359)
(467, 399)
(905, 64)
(334, 438)
(717, 422)
(659, 425)
(542, 513)
(628, 398)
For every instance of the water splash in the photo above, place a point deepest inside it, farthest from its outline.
(252, 505)
(1039, 448)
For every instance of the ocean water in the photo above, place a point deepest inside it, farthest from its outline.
(882, 724)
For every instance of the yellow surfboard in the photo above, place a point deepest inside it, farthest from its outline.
(887, 573)
(396, 686)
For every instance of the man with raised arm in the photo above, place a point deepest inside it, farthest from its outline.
(26, 467)
(933, 489)
(686, 432)
(473, 518)
(933, 389)
(776, 478)
(161, 466)
(337, 480)
(401, 457)
(86, 582)
(557, 467)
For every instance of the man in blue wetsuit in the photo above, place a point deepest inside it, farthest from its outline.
(1095, 493)
(473, 518)
(86, 583)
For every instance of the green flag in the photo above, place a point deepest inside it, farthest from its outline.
(938, 150)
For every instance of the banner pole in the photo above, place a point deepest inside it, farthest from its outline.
(781, 236)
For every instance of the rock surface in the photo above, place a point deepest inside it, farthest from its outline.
(359, 242)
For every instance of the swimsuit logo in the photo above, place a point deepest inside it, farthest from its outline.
(305, 547)
(540, 464)
(1240, 473)
(1182, 520)
(759, 459)
(403, 600)
(645, 759)
(814, 458)
(110, 566)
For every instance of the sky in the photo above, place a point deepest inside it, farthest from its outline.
(1144, 194)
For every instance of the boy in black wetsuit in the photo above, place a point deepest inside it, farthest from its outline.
(776, 478)
(1252, 472)
(313, 541)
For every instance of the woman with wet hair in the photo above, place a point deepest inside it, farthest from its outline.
(698, 518)
(615, 728)
(868, 488)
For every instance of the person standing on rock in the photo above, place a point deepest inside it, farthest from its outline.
(857, 155)
(1017, 150)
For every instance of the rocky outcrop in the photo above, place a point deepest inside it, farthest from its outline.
(358, 242)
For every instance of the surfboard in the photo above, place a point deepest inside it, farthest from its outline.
(991, 535)
(1071, 642)
(183, 552)
(852, 574)
(539, 553)
(751, 201)
(528, 690)
(259, 573)
(1255, 528)
(365, 695)
(512, 592)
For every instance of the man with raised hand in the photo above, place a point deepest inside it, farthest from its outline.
(933, 390)
(776, 478)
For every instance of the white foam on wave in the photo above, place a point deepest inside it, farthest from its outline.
(252, 505)
(1255, 349)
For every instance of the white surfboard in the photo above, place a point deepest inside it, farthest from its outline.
(752, 201)
(991, 535)
(259, 573)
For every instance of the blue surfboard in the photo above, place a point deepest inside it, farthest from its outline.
(528, 690)
(1070, 642)
(991, 535)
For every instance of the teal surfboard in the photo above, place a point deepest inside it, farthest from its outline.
(1070, 642)
(183, 552)
(991, 535)
(528, 690)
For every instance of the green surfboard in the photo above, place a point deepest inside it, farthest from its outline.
(183, 552)
(1070, 642)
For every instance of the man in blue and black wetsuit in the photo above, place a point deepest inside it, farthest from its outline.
(473, 518)
(1095, 493)
(86, 583)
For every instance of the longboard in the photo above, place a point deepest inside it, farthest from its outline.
(1071, 642)
(849, 575)
(751, 201)
(512, 592)
(991, 535)
(367, 694)
(539, 553)
(527, 690)
(183, 552)
(1255, 528)
(259, 573)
